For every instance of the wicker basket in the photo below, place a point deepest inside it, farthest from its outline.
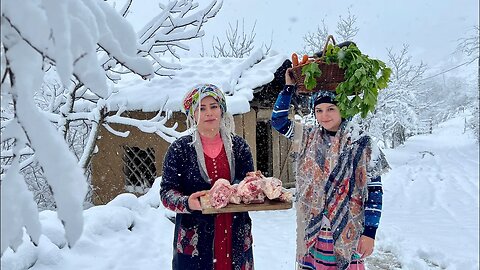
(331, 75)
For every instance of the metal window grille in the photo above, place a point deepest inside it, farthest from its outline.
(139, 169)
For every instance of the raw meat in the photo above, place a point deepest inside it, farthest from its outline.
(235, 198)
(286, 196)
(272, 187)
(220, 193)
(251, 188)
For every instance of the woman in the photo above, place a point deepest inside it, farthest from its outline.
(192, 165)
(338, 186)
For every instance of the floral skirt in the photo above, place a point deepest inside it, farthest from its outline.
(321, 257)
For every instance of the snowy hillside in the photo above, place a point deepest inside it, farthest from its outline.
(430, 219)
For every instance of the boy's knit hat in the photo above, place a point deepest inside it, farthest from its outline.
(192, 98)
(323, 97)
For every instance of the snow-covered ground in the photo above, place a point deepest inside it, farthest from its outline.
(430, 219)
(431, 206)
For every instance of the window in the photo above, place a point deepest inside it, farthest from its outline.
(139, 169)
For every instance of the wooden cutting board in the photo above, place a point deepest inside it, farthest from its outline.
(231, 208)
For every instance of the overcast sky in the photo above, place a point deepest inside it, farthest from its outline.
(432, 28)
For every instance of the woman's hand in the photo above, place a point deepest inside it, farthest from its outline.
(194, 201)
(289, 77)
(365, 246)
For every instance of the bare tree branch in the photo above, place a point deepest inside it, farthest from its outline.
(346, 28)
(238, 44)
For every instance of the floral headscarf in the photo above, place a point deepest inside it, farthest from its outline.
(192, 99)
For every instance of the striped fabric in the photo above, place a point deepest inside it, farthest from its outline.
(280, 119)
(321, 257)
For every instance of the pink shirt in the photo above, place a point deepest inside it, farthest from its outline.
(212, 146)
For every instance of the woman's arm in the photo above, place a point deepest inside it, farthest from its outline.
(170, 187)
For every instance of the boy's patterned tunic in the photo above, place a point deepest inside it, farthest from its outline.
(338, 178)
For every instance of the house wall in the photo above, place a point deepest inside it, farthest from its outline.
(282, 163)
(246, 127)
(279, 160)
(108, 179)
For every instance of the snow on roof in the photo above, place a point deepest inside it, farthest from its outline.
(237, 77)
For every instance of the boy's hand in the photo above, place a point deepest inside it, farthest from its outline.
(365, 246)
(289, 77)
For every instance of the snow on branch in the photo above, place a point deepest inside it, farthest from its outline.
(471, 45)
(118, 39)
(404, 73)
(346, 27)
(154, 125)
(239, 44)
(115, 132)
(72, 48)
(179, 21)
(15, 190)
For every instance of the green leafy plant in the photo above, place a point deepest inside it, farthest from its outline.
(311, 71)
(364, 78)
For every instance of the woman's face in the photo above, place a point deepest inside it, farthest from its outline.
(328, 116)
(208, 115)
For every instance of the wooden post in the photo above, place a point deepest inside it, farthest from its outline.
(276, 154)
(284, 159)
(250, 133)
(238, 119)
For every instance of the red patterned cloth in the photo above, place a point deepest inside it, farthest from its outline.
(222, 246)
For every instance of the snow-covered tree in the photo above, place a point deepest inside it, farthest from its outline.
(445, 97)
(346, 30)
(237, 43)
(445, 94)
(398, 106)
(346, 27)
(470, 46)
(84, 45)
(315, 41)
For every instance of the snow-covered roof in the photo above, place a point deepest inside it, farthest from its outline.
(236, 77)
